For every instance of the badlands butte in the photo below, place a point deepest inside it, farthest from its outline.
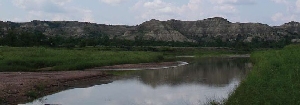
(172, 30)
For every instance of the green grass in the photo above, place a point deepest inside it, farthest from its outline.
(274, 80)
(3, 101)
(32, 94)
(35, 58)
(14, 59)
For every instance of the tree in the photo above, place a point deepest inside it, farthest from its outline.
(10, 39)
(105, 40)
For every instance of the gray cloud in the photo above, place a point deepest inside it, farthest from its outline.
(290, 14)
(242, 2)
(193, 10)
(113, 2)
(123, 11)
(53, 10)
(41, 5)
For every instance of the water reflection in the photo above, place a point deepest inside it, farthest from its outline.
(194, 84)
(208, 71)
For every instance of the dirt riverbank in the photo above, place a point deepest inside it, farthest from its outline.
(21, 87)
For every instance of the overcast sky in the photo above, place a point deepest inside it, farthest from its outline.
(133, 12)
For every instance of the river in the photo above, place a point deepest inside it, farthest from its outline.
(199, 82)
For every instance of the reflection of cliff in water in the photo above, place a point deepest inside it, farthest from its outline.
(206, 71)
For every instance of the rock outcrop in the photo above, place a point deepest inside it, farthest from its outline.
(171, 30)
(211, 28)
(155, 30)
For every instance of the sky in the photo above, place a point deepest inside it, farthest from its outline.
(134, 12)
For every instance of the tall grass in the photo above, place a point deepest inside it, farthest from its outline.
(36, 58)
(275, 79)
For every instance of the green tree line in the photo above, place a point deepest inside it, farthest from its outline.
(36, 38)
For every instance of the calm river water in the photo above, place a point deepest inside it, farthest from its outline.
(199, 82)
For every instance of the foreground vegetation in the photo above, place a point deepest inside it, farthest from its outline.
(275, 79)
(37, 58)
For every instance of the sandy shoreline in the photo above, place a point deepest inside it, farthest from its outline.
(21, 87)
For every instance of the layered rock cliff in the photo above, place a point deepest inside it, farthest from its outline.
(171, 30)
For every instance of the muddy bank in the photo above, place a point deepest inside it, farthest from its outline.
(21, 87)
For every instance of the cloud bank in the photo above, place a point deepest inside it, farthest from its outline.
(192, 10)
(292, 12)
(113, 2)
(54, 10)
(132, 12)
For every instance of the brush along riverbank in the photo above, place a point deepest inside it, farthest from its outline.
(274, 80)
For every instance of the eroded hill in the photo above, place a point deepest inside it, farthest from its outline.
(207, 30)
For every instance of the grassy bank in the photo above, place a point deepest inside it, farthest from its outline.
(274, 80)
(40, 59)
(37, 59)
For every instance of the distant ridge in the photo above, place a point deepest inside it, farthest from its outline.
(206, 30)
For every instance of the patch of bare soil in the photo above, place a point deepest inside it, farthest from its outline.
(20, 87)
